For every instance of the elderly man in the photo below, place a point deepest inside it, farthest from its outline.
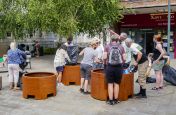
(142, 62)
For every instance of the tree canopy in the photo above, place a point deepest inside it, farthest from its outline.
(64, 17)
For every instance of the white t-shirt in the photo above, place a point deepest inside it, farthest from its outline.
(135, 48)
(127, 52)
(100, 51)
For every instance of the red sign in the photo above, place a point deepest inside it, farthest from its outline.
(147, 20)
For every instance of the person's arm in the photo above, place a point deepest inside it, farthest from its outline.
(81, 53)
(139, 56)
(138, 53)
(159, 47)
(167, 58)
(66, 56)
(105, 55)
(111, 31)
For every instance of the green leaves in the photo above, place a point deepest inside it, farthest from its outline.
(64, 17)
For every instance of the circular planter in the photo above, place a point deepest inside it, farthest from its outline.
(71, 74)
(39, 85)
(99, 88)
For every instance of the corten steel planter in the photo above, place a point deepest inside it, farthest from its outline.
(71, 74)
(39, 85)
(99, 88)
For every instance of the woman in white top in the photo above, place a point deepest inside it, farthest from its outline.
(60, 61)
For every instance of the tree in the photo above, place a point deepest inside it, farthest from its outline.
(64, 17)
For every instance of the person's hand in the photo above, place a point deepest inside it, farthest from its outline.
(156, 62)
(135, 63)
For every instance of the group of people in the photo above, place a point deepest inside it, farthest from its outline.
(114, 57)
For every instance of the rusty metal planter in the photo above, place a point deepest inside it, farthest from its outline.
(39, 85)
(99, 86)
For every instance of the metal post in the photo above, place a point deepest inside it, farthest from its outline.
(168, 30)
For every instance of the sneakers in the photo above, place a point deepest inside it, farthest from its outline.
(86, 93)
(60, 84)
(112, 102)
(81, 90)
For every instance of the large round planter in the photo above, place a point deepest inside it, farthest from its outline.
(39, 85)
(99, 88)
(71, 74)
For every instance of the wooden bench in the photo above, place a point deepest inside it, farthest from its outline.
(99, 89)
(39, 85)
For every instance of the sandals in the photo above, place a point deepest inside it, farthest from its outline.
(161, 87)
(155, 88)
(116, 101)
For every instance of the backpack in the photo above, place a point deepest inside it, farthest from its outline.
(115, 57)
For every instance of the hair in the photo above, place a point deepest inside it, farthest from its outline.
(64, 47)
(158, 38)
(128, 40)
(13, 45)
(114, 38)
(70, 38)
(124, 35)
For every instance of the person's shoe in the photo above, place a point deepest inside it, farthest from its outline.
(110, 102)
(137, 81)
(81, 90)
(86, 93)
(143, 94)
(16, 88)
(116, 101)
(140, 92)
(150, 80)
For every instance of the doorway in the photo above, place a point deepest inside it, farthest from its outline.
(149, 42)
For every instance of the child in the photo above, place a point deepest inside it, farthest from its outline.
(59, 62)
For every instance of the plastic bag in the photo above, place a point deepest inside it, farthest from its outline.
(169, 74)
(73, 54)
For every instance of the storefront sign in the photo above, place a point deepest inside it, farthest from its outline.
(147, 20)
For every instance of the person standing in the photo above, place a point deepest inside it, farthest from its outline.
(142, 62)
(100, 49)
(14, 58)
(37, 47)
(60, 61)
(89, 55)
(114, 57)
(158, 61)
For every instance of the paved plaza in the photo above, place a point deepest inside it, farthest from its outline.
(69, 101)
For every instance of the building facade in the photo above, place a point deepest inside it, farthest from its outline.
(149, 17)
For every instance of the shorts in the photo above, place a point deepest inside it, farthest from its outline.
(114, 74)
(60, 68)
(158, 66)
(85, 71)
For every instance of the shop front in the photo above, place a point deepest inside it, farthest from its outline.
(142, 28)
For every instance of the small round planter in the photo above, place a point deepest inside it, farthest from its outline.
(71, 74)
(39, 84)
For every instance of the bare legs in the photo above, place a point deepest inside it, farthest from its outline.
(59, 78)
(159, 79)
(113, 90)
(84, 84)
